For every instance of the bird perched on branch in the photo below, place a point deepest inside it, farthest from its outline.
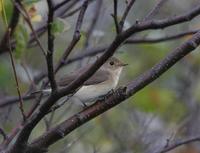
(104, 80)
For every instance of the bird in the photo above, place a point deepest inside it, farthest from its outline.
(104, 80)
(100, 83)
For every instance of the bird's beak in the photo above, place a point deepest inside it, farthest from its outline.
(123, 64)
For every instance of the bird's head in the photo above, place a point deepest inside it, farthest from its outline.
(113, 64)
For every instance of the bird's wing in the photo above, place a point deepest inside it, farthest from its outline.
(99, 77)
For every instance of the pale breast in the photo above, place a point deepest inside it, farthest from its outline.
(90, 92)
(87, 93)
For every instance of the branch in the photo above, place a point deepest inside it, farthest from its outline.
(23, 11)
(12, 25)
(72, 12)
(49, 57)
(40, 30)
(76, 36)
(161, 39)
(61, 4)
(114, 15)
(13, 99)
(125, 14)
(67, 126)
(162, 23)
(3, 134)
(155, 10)
(94, 20)
(21, 107)
(178, 144)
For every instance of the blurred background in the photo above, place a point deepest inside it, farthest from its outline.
(166, 110)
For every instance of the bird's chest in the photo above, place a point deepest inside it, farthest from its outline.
(89, 92)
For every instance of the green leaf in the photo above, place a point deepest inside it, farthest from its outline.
(21, 36)
(59, 26)
(8, 7)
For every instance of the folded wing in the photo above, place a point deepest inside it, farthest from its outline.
(99, 77)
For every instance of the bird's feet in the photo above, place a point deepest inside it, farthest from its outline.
(106, 96)
(84, 105)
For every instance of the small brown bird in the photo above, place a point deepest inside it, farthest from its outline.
(99, 84)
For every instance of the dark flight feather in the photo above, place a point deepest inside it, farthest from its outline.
(99, 77)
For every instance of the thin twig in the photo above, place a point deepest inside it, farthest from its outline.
(114, 15)
(3, 134)
(41, 30)
(155, 10)
(93, 23)
(48, 122)
(16, 80)
(13, 99)
(10, 136)
(27, 18)
(23, 64)
(125, 14)
(72, 12)
(12, 26)
(178, 144)
(76, 36)
(161, 39)
(66, 8)
(61, 4)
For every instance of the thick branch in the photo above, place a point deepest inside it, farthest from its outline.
(49, 57)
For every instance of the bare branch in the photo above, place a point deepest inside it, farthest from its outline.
(128, 7)
(114, 15)
(161, 39)
(157, 24)
(12, 25)
(76, 36)
(61, 4)
(93, 22)
(155, 10)
(178, 144)
(49, 57)
(13, 99)
(16, 80)
(23, 11)
(3, 134)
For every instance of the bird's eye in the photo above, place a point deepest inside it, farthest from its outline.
(111, 63)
